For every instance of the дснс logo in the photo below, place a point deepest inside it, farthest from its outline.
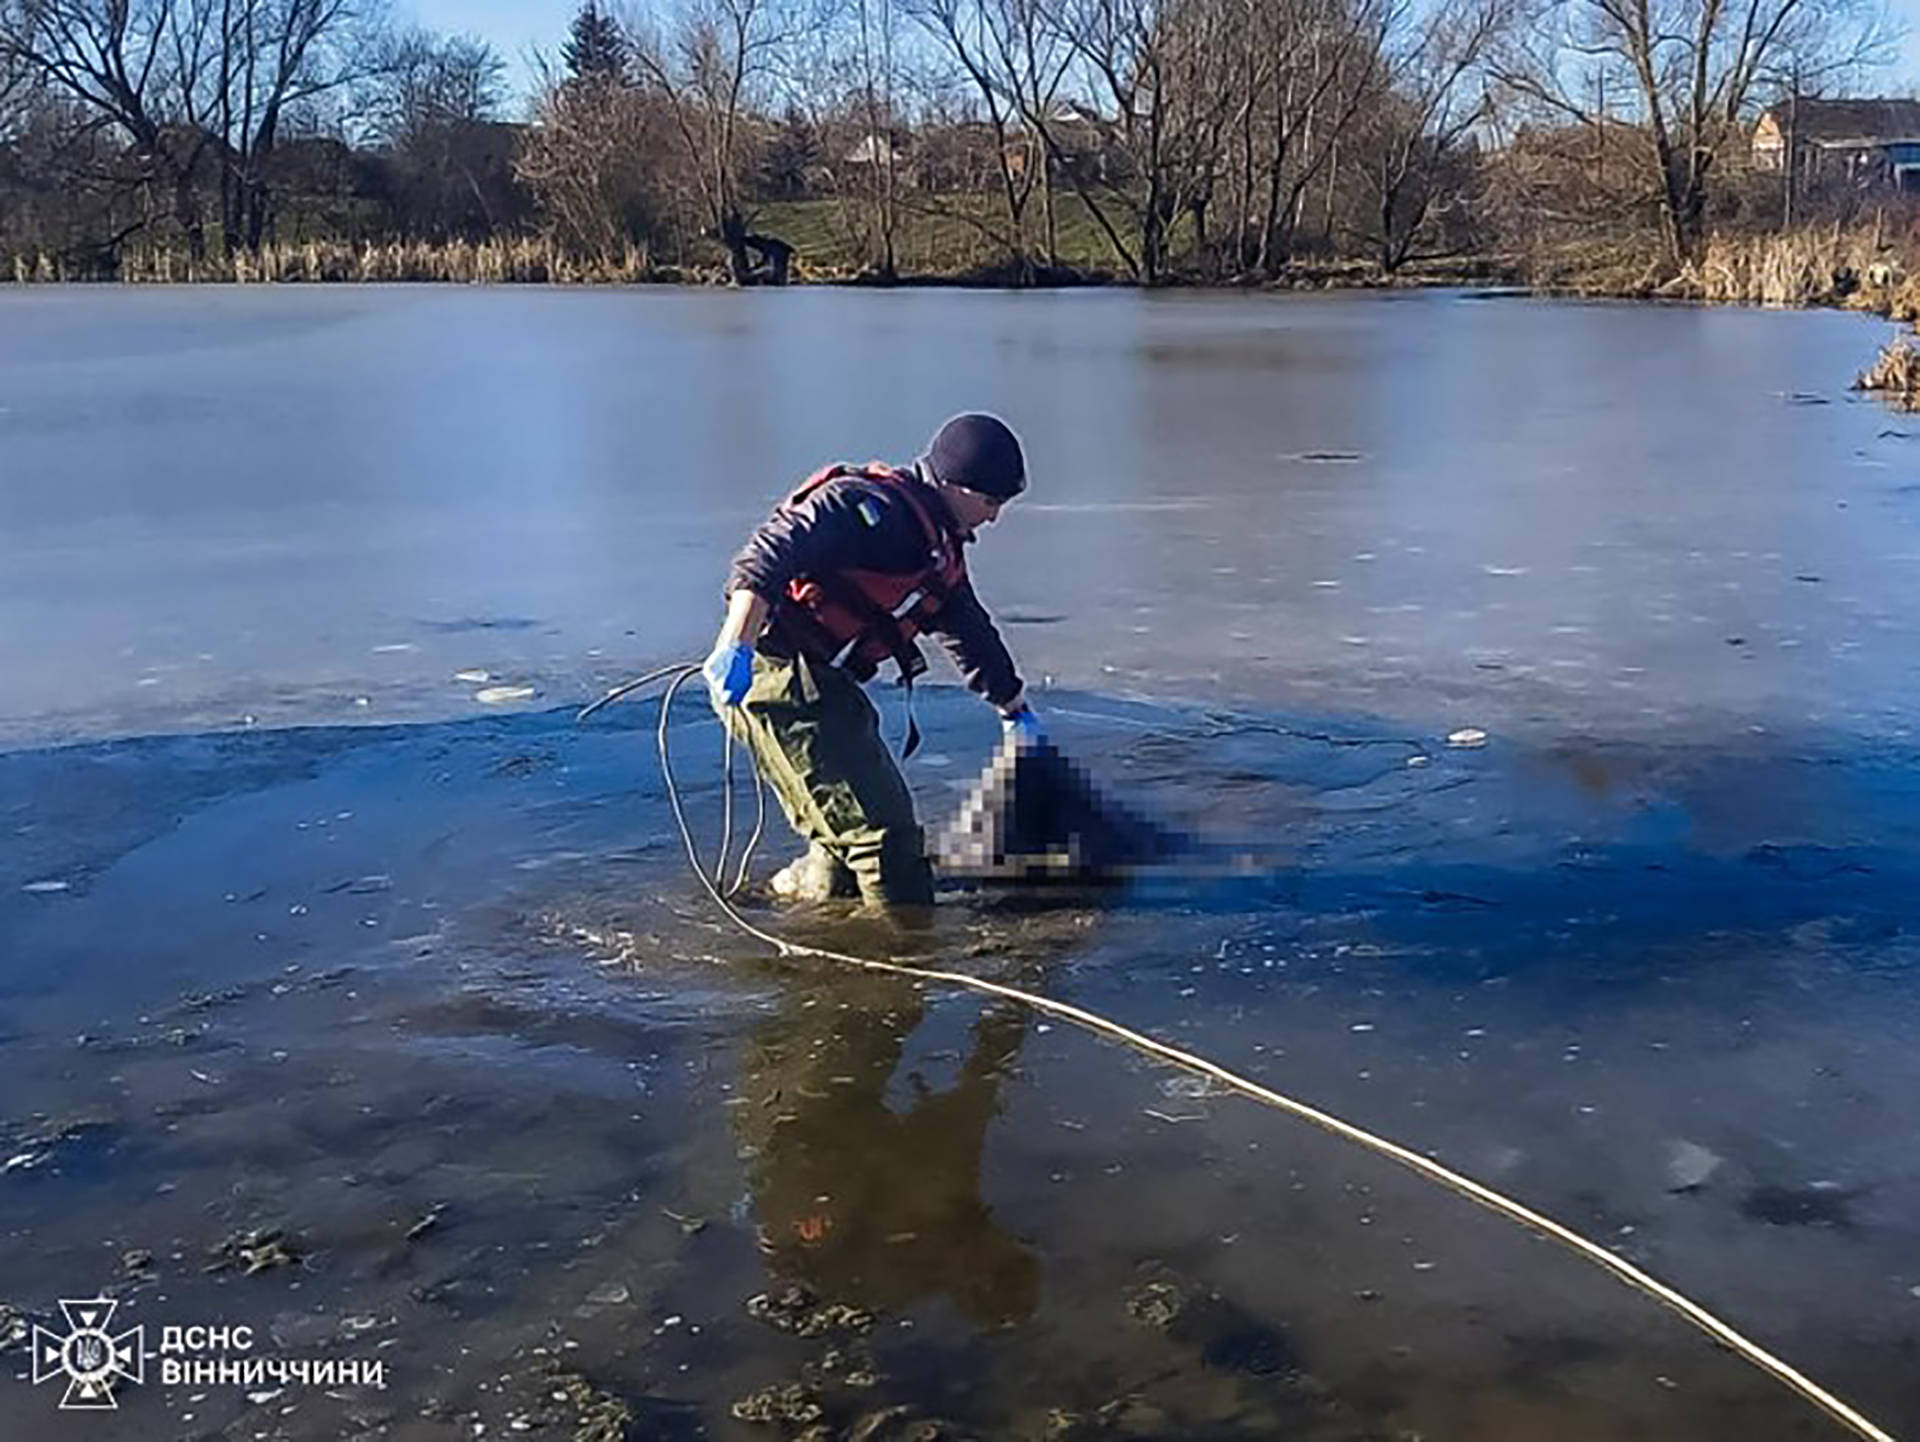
(89, 1357)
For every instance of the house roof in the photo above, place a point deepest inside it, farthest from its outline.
(873, 149)
(1841, 122)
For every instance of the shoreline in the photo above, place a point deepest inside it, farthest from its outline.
(465, 263)
(1897, 301)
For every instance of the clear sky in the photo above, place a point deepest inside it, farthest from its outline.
(1903, 78)
(516, 28)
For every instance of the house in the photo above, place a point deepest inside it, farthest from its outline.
(1085, 146)
(1079, 147)
(1865, 142)
(874, 149)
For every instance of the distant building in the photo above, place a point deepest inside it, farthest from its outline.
(873, 149)
(1866, 142)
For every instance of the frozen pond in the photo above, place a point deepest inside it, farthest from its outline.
(341, 1006)
(1607, 518)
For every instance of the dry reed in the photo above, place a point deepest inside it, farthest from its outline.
(502, 260)
(1896, 375)
(1813, 266)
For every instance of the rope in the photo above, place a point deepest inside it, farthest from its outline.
(679, 670)
(1456, 1182)
(726, 806)
(726, 830)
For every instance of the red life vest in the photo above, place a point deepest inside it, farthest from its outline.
(855, 619)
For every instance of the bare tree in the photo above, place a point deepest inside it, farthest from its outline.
(1036, 57)
(1436, 92)
(1694, 69)
(1010, 58)
(584, 159)
(435, 109)
(16, 93)
(876, 73)
(131, 65)
(429, 80)
(196, 84)
(1237, 105)
(1327, 62)
(845, 131)
(712, 62)
(1158, 72)
(69, 189)
(278, 61)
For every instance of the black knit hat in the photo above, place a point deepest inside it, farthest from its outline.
(980, 453)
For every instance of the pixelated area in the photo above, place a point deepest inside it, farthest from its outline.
(1035, 815)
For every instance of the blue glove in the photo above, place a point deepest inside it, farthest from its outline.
(1024, 726)
(729, 671)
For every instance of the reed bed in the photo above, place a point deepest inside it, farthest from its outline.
(1896, 375)
(502, 260)
(1814, 266)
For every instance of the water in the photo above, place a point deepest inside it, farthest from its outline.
(278, 503)
(385, 954)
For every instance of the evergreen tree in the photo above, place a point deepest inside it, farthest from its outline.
(595, 48)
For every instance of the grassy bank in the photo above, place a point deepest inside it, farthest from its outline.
(953, 241)
(942, 238)
(936, 237)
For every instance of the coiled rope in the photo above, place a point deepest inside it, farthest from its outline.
(1461, 1185)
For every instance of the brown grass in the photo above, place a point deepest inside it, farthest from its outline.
(1620, 261)
(526, 259)
(1896, 375)
(1861, 267)
(1823, 265)
(1904, 302)
(1814, 266)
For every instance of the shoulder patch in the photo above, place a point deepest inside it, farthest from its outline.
(869, 511)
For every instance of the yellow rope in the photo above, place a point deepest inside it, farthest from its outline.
(1453, 1181)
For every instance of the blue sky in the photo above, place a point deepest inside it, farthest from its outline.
(1904, 77)
(515, 28)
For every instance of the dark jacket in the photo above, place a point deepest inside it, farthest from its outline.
(854, 524)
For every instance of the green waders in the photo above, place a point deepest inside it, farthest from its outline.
(817, 739)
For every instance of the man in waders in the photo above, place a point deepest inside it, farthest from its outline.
(839, 579)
